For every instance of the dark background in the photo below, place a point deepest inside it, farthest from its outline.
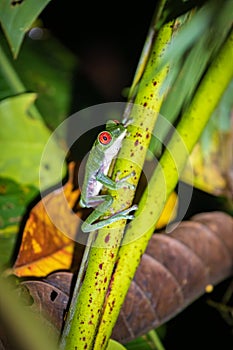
(106, 39)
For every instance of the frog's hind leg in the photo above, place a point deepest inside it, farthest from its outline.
(90, 225)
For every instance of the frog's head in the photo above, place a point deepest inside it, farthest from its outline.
(112, 136)
(115, 127)
(112, 132)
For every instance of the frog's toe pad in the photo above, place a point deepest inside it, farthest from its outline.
(129, 217)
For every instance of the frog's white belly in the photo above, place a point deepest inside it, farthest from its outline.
(94, 185)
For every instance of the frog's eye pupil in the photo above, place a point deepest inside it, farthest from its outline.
(105, 138)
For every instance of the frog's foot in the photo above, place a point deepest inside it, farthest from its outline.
(124, 214)
(121, 183)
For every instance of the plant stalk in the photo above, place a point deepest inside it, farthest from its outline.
(82, 322)
(13, 80)
(10, 75)
(163, 182)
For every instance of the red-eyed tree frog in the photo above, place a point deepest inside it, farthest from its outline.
(105, 148)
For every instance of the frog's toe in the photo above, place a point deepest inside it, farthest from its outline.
(134, 207)
(129, 217)
(128, 210)
(131, 186)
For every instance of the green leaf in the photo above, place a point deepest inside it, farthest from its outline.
(16, 17)
(7, 242)
(45, 67)
(22, 141)
(211, 160)
(140, 343)
(211, 20)
(13, 202)
(114, 345)
(149, 341)
(192, 49)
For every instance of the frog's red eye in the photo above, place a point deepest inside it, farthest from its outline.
(105, 137)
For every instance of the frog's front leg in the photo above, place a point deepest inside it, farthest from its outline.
(114, 185)
(90, 225)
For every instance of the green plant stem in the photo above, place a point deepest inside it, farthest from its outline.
(163, 183)
(9, 74)
(13, 80)
(83, 319)
(147, 47)
(155, 339)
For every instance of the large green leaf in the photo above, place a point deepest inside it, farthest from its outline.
(16, 17)
(14, 199)
(22, 141)
(45, 67)
(7, 242)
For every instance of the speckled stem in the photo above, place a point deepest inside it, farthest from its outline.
(82, 323)
(163, 183)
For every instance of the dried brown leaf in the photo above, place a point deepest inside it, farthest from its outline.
(174, 271)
